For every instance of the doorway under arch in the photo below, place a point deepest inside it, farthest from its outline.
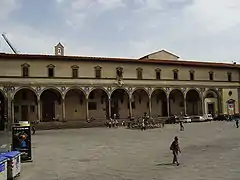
(25, 105)
(176, 102)
(159, 103)
(193, 103)
(120, 103)
(98, 106)
(51, 101)
(75, 105)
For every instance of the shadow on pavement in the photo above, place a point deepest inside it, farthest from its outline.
(166, 164)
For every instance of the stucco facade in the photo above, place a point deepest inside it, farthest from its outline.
(72, 90)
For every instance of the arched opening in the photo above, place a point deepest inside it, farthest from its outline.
(2, 111)
(51, 100)
(98, 104)
(159, 103)
(120, 104)
(140, 103)
(211, 102)
(25, 105)
(75, 105)
(193, 103)
(176, 101)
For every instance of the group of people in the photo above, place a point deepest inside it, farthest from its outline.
(112, 122)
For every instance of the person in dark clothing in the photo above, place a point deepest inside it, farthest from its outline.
(175, 148)
(237, 123)
(181, 126)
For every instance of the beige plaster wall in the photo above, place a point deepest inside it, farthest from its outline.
(86, 69)
(75, 110)
(226, 97)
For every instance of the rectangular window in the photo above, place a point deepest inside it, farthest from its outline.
(32, 109)
(139, 74)
(158, 75)
(92, 106)
(229, 77)
(25, 71)
(75, 73)
(211, 76)
(16, 109)
(191, 76)
(50, 72)
(98, 73)
(175, 75)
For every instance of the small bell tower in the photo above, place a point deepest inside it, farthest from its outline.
(59, 49)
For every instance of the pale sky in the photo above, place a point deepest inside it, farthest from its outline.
(205, 30)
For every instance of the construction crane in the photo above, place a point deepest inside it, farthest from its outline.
(9, 44)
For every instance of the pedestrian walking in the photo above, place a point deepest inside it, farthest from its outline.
(237, 123)
(175, 148)
(181, 126)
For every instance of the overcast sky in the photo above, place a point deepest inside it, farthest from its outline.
(206, 30)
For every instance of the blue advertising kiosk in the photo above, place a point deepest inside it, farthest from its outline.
(21, 140)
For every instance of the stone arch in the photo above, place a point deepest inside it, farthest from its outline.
(52, 88)
(75, 104)
(3, 109)
(98, 105)
(25, 87)
(159, 103)
(176, 102)
(212, 92)
(140, 99)
(193, 102)
(25, 104)
(51, 104)
(211, 102)
(99, 88)
(142, 89)
(120, 88)
(120, 103)
(74, 88)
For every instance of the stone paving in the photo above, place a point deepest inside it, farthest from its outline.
(210, 151)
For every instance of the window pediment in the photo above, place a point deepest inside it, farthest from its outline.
(210, 72)
(192, 71)
(158, 70)
(75, 67)
(119, 69)
(175, 70)
(139, 69)
(25, 65)
(50, 66)
(97, 67)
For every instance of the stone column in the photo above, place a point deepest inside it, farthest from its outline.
(87, 112)
(203, 106)
(12, 111)
(63, 110)
(130, 107)
(9, 116)
(39, 110)
(150, 107)
(168, 106)
(185, 106)
(109, 108)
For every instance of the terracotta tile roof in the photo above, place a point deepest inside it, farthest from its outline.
(127, 60)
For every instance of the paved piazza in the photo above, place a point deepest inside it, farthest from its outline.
(209, 151)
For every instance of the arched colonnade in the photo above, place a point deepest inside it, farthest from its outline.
(52, 104)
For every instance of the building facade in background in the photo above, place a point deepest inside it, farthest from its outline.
(68, 88)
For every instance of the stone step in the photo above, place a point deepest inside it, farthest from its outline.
(68, 125)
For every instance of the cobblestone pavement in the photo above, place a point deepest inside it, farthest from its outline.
(210, 151)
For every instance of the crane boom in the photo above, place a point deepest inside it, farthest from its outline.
(9, 44)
